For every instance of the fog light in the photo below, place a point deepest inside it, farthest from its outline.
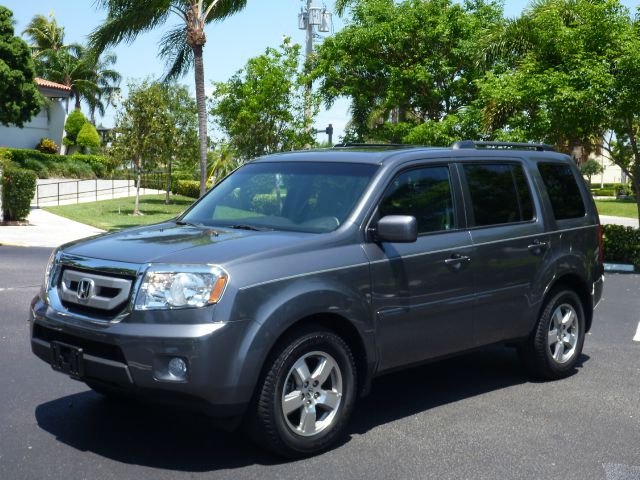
(178, 368)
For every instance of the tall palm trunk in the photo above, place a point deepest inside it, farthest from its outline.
(201, 101)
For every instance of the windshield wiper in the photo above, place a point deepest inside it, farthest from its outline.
(190, 224)
(249, 227)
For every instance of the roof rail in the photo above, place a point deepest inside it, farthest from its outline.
(464, 144)
(370, 145)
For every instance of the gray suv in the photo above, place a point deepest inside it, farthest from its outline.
(278, 297)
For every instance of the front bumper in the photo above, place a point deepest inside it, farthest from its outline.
(132, 357)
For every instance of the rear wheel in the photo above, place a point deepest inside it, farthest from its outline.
(306, 396)
(554, 348)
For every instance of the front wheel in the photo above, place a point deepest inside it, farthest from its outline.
(306, 395)
(554, 348)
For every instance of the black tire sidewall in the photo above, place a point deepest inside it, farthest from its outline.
(323, 342)
(561, 297)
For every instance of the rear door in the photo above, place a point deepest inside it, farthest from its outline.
(423, 292)
(510, 246)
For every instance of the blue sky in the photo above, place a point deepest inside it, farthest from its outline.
(229, 44)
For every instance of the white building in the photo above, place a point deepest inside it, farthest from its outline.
(48, 123)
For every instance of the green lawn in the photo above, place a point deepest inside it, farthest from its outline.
(617, 208)
(117, 214)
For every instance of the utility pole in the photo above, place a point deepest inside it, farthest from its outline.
(311, 19)
(308, 53)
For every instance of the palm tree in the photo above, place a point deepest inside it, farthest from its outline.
(86, 73)
(181, 47)
(45, 35)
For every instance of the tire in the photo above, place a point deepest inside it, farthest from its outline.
(554, 347)
(319, 399)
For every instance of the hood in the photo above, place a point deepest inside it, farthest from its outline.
(171, 243)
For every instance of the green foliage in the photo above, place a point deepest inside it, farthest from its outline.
(410, 62)
(48, 165)
(591, 167)
(88, 138)
(157, 125)
(46, 145)
(621, 244)
(261, 108)
(18, 188)
(188, 188)
(75, 121)
(19, 96)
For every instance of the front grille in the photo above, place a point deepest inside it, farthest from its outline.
(94, 293)
(90, 347)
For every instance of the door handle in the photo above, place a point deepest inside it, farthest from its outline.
(456, 260)
(537, 247)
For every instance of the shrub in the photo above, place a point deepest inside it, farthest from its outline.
(88, 137)
(47, 145)
(71, 169)
(188, 188)
(73, 125)
(266, 203)
(621, 244)
(18, 188)
(46, 165)
(603, 192)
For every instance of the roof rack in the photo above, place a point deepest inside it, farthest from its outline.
(464, 144)
(370, 145)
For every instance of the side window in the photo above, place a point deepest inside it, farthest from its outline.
(424, 193)
(563, 190)
(499, 193)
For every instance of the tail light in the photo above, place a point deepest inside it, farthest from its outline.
(601, 253)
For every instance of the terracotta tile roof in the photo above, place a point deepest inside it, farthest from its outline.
(41, 82)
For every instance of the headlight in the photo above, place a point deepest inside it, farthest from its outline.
(181, 286)
(47, 272)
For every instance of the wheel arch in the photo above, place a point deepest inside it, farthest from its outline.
(573, 282)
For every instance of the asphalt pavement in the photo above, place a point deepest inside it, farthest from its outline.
(475, 416)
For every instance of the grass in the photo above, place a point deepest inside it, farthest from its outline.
(116, 214)
(617, 208)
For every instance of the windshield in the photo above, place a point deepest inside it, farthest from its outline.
(298, 196)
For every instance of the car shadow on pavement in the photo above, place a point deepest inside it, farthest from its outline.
(163, 437)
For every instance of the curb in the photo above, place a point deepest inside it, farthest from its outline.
(9, 244)
(619, 268)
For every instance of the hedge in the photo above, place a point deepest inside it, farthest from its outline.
(188, 188)
(621, 244)
(46, 165)
(18, 188)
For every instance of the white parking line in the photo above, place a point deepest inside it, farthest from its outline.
(637, 337)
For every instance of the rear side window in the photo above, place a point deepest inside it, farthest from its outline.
(563, 190)
(499, 193)
(424, 193)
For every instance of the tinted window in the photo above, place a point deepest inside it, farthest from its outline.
(499, 193)
(299, 196)
(424, 193)
(563, 190)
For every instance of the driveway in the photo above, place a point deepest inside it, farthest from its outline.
(476, 417)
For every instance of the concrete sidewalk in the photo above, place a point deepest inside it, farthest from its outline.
(46, 230)
(624, 221)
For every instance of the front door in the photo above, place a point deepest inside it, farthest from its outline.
(423, 292)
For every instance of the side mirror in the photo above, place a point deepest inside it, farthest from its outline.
(397, 229)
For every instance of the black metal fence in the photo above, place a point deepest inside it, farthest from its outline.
(66, 191)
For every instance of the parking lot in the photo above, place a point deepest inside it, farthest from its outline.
(476, 416)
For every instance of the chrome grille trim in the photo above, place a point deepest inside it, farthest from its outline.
(94, 266)
(99, 283)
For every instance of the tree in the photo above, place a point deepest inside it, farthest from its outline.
(19, 96)
(181, 47)
(88, 138)
(156, 124)
(553, 74)
(404, 64)
(45, 35)
(590, 168)
(72, 127)
(261, 108)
